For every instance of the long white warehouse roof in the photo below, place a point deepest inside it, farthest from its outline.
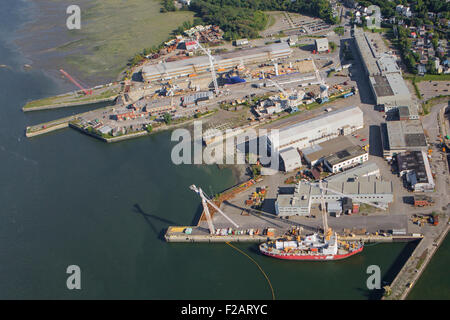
(310, 128)
(252, 53)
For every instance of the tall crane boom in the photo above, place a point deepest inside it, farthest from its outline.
(317, 72)
(211, 64)
(205, 202)
(279, 87)
(322, 205)
(86, 91)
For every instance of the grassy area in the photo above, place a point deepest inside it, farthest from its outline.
(376, 30)
(113, 31)
(271, 21)
(427, 105)
(422, 259)
(433, 77)
(45, 101)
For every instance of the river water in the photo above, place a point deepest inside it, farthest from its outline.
(67, 199)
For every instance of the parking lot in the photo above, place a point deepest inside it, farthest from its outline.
(430, 89)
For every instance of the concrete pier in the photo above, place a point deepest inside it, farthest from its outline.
(47, 127)
(416, 264)
(199, 234)
(177, 234)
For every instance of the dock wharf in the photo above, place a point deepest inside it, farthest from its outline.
(413, 268)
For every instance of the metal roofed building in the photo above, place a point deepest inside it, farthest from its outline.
(416, 168)
(196, 65)
(346, 158)
(402, 136)
(364, 170)
(316, 130)
(336, 154)
(291, 159)
(390, 89)
(369, 189)
(387, 64)
(385, 76)
(321, 44)
(316, 153)
(368, 58)
(409, 112)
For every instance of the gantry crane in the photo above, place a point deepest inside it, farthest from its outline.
(86, 91)
(211, 63)
(205, 202)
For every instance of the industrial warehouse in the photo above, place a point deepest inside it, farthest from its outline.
(385, 77)
(415, 168)
(201, 64)
(314, 131)
(365, 189)
(335, 155)
(364, 170)
(402, 136)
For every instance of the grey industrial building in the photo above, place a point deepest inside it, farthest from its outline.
(385, 77)
(314, 131)
(321, 44)
(364, 170)
(291, 159)
(346, 158)
(367, 189)
(201, 64)
(402, 136)
(335, 155)
(415, 167)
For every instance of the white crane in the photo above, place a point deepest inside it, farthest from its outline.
(319, 78)
(211, 63)
(345, 195)
(205, 202)
(279, 87)
(322, 205)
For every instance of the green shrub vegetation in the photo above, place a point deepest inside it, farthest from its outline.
(238, 18)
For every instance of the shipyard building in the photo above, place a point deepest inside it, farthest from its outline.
(402, 136)
(201, 64)
(335, 155)
(314, 131)
(415, 168)
(385, 77)
(368, 189)
(364, 170)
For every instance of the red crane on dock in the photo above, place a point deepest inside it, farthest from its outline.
(86, 91)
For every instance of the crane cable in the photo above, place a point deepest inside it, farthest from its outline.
(259, 267)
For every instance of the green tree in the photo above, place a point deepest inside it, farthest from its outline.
(167, 118)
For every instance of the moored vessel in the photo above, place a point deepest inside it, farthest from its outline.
(313, 247)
